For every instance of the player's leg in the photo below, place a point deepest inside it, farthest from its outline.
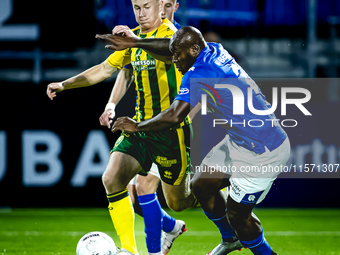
(133, 196)
(179, 197)
(146, 187)
(247, 227)
(120, 170)
(207, 186)
(209, 179)
(169, 151)
(249, 189)
(245, 223)
(155, 218)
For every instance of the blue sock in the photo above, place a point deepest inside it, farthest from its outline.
(155, 219)
(223, 225)
(168, 222)
(259, 246)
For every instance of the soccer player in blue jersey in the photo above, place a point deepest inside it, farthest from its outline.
(244, 145)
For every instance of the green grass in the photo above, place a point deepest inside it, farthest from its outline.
(57, 231)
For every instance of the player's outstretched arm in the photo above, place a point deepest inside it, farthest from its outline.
(156, 47)
(169, 118)
(123, 82)
(89, 77)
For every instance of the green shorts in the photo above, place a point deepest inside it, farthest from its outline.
(169, 150)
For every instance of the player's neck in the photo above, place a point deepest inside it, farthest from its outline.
(145, 30)
(172, 20)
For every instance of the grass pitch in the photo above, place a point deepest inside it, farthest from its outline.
(57, 231)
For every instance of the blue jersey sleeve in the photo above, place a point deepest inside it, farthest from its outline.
(129, 66)
(189, 93)
(177, 25)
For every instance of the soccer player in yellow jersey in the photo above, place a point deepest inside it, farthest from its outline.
(143, 188)
(157, 83)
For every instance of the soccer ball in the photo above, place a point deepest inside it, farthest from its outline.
(96, 243)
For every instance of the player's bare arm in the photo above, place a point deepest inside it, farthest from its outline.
(122, 84)
(89, 77)
(169, 118)
(156, 47)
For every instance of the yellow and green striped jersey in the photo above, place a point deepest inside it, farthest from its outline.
(157, 83)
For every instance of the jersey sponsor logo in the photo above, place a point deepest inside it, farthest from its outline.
(183, 91)
(165, 162)
(141, 65)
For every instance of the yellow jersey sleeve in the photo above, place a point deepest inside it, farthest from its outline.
(166, 30)
(119, 59)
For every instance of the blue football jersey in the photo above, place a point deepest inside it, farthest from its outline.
(215, 65)
(177, 25)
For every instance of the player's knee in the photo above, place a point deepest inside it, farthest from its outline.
(107, 181)
(111, 183)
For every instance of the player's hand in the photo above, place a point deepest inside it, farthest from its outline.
(123, 31)
(108, 115)
(125, 124)
(118, 42)
(53, 88)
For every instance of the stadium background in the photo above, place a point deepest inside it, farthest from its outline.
(52, 153)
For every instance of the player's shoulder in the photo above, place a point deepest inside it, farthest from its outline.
(136, 30)
(196, 71)
(166, 29)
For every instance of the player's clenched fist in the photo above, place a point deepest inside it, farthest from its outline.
(53, 88)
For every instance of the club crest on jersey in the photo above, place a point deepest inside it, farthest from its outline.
(251, 198)
(120, 139)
